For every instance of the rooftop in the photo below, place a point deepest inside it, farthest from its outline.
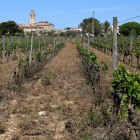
(30, 26)
(43, 21)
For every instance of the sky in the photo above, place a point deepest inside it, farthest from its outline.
(69, 13)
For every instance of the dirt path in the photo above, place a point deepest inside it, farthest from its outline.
(62, 93)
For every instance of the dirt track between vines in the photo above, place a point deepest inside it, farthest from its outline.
(65, 101)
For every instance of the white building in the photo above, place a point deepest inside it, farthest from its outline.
(43, 26)
(76, 29)
(111, 28)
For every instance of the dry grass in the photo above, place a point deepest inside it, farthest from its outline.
(60, 89)
(64, 97)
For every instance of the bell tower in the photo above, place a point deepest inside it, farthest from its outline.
(32, 17)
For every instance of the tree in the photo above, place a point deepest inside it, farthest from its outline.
(9, 27)
(20, 35)
(12, 27)
(44, 33)
(133, 33)
(102, 27)
(0, 35)
(68, 28)
(87, 26)
(55, 34)
(70, 33)
(106, 25)
(30, 34)
(61, 34)
(3, 28)
(34, 34)
(20, 30)
(41, 33)
(51, 33)
(126, 28)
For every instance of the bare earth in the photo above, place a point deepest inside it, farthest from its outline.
(65, 101)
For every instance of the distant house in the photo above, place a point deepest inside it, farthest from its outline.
(111, 28)
(76, 29)
(57, 31)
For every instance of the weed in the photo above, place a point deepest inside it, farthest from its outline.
(51, 109)
(46, 82)
(37, 77)
(2, 128)
(108, 93)
(18, 89)
(99, 100)
(105, 68)
(95, 118)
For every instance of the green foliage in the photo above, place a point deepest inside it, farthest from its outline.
(70, 33)
(105, 68)
(61, 34)
(137, 53)
(127, 27)
(51, 33)
(55, 34)
(30, 34)
(122, 113)
(38, 55)
(95, 117)
(9, 27)
(87, 57)
(106, 25)
(133, 33)
(128, 84)
(86, 24)
(68, 28)
(111, 108)
(26, 60)
(125, 101)
(46, 82)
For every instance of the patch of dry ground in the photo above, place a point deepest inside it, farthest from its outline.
(61, 91)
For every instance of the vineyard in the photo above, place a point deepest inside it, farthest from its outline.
(62, 88)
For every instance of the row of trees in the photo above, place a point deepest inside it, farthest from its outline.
(100, 28)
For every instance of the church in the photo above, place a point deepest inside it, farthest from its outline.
(43, 26)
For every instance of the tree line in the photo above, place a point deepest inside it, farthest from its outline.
(101, 29)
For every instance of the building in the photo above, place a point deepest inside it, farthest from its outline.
(76, 29)
(43, 26)
(58, 31)
(111, 28)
